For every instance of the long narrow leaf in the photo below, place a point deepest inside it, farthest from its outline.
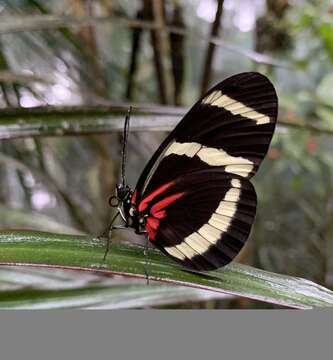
(11, 218)
(32, 288)
(15, 24)
(45, 121)
(8, 77)
(78, 120)
(86, 253)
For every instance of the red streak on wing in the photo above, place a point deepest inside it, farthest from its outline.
(157, 212)
(144, 203)
(164, 203)
(151, 226)
(153, 223)
(160, 214)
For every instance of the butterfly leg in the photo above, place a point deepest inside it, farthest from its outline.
(109, 242)
(107, 234)
(108, 230)
(145, 253)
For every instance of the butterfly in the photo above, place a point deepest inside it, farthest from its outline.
(194, 199)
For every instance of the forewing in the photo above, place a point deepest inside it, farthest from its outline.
(229, 127)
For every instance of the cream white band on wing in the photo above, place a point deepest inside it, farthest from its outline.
(210, 233)
(212, 156)
(216, 98)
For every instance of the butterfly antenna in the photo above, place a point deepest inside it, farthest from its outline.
(124, 152)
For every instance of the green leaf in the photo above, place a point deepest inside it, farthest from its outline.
(325, 89)
(83, 120)
(325, 113)
(48, 289)
(8, 77)
(28, 219)
(76, 120)
(86, 253)
(325, 31)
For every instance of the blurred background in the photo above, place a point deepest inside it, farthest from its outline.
(68, 60)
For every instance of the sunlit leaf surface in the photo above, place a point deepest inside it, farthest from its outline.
(86, 253)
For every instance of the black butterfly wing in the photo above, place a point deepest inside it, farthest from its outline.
(201, 219)
(238, 116)
(219, 144)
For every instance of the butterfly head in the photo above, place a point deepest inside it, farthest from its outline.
(123, 194)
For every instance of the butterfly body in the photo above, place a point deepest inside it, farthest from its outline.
(194, 199)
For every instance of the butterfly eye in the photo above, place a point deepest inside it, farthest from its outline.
(113, 201)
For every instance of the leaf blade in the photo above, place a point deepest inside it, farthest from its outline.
(86, 253)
